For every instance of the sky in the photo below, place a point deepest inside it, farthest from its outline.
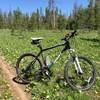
(28, 6)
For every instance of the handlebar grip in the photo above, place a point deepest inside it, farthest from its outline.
(73, 33)
(69, 35)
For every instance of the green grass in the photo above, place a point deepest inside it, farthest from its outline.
(5, 93)
(85, 43)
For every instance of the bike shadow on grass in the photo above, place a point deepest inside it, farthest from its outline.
(18, 80)
(95, 41)
(91, 39)
(59, 80)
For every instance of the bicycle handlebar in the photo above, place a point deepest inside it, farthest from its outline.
(69, 35)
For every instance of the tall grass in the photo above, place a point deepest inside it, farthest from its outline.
(85, 43)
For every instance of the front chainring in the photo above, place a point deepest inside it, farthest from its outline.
(46, 72)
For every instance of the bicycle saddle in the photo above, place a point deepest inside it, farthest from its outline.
(36, 40)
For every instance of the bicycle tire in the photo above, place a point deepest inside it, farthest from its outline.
(70, 82)
(18, 69)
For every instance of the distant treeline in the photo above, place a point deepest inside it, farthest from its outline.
(80, 18)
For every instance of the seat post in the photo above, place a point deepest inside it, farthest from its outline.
(40, 47)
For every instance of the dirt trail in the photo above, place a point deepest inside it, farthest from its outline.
(17, 90)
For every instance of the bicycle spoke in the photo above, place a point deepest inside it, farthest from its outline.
(28, 65)
(80, 80)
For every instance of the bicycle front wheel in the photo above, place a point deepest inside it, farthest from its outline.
(79, 81)
(27, 66)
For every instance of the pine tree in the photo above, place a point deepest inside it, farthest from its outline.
(47, 19)
(38, 19)
(25, 21)
(97, 14)
(1, 19)
(51, 6)
(56, 18)
(5, 20)
(75, 16)
(61, 21)
(80, 17)
(69, 22)
(10, 19)
(33, 21)
(41, 19)
(17, 20)
(90, 18)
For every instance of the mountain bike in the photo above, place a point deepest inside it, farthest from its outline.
(79, 71)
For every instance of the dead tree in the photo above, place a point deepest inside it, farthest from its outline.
(51, 5)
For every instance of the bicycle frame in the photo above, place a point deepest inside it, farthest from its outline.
(66, 47)
(41, 66)
(41, 53)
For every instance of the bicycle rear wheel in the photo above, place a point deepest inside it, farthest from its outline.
(79, 81)
(27, 66)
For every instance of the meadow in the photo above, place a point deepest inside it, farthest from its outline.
(86, 43)
(5, 92)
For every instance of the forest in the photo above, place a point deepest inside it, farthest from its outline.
(54, 19)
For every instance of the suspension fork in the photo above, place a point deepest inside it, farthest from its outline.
(76, 61)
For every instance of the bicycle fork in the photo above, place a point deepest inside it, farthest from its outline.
(76, 61)
(77, 65)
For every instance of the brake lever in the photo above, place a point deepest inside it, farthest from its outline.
(69, 35)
